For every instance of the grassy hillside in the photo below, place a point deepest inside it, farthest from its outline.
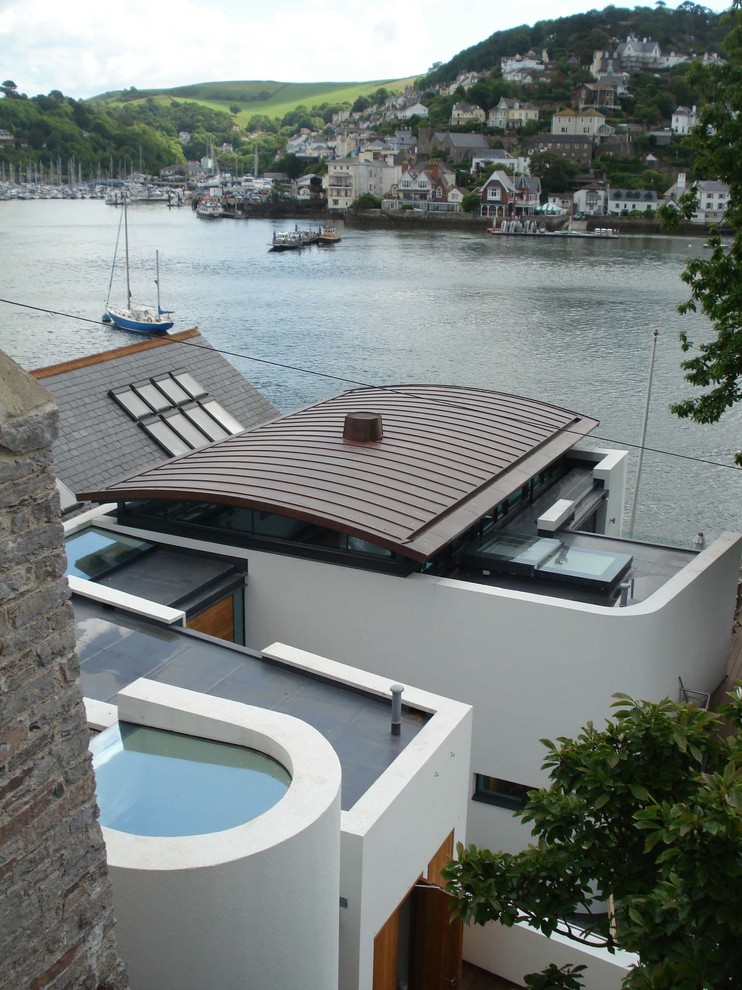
(274, 99)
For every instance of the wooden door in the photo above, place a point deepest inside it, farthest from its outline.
(437, 940)
(441, 858)
(386, 946)
(217, 620)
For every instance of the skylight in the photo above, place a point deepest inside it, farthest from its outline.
(176, 411)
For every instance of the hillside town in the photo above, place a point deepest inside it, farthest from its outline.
(524, 156)
(390, 156)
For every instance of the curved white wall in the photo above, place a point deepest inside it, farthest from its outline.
(254, 906)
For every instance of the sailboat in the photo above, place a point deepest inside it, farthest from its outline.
(137, 316)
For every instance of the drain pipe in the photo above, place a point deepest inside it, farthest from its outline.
(396, 690)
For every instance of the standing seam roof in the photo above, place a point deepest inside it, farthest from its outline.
(447, 456)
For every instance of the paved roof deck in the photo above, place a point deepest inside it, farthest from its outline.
(652, 564)
(117, 648)
(173, 576)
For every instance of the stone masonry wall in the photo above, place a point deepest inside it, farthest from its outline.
(56, 906)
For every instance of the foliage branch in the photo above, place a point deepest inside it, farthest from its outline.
(638, 847)
(715, 281)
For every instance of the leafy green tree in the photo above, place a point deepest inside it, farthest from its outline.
(640, 835)
(367, 201)
(470, 202)
(716, 281)
(554, 171)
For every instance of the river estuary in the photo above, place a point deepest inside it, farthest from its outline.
(569, 322)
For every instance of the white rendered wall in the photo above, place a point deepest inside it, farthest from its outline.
(254, 906)
(394, 830)
(531, 666)
(515, 952)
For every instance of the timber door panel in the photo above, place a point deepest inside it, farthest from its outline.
(438, 940)
(441, 858)
(217, 620)
(386, 946)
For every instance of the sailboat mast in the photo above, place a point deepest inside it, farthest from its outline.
(157, 280)
(126, 243)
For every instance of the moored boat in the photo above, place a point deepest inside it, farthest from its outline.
(286, 240)
(139, 317)
(329, 235)
(209, 208)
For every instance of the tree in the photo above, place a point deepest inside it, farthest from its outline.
(716, 281)
(554, 171)
(366, 201)
(470, 201)
(10, 90)
(640, 834)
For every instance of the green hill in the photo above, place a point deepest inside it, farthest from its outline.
(268, 97)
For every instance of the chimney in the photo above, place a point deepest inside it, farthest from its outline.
(363, 427)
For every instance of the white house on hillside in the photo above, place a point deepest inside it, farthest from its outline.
(683, 120)
(582, 123)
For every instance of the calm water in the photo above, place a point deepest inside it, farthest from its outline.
(568, 322)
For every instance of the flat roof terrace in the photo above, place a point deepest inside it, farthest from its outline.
(117, 648)
(651, 566)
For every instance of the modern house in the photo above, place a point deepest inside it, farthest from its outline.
(464, 541)
(263, 813)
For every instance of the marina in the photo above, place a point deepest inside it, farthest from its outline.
(568, 321)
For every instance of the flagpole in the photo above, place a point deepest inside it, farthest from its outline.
(655, 334)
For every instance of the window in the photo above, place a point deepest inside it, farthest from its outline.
(176, 411)
(503, 793)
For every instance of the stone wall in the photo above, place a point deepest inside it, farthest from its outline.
(56, 907)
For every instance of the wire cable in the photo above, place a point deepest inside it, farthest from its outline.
(364, 384)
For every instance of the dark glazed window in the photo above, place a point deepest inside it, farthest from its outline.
(503, 793)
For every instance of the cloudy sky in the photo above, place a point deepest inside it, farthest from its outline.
(85, 47)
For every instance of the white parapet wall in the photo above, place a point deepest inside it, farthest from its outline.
(515, 952)
(255, 905)
(393, 831)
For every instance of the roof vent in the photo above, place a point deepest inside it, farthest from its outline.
(363, 427)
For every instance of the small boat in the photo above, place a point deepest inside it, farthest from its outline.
(137, 316)
(286, 240)
(307, 235)
(329, 235)
(209, 208)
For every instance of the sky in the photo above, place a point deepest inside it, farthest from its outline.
(87, 47)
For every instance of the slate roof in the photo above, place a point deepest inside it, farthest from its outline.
(468, 141)
(98, 442)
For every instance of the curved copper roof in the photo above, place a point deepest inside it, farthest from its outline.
(447, 456)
